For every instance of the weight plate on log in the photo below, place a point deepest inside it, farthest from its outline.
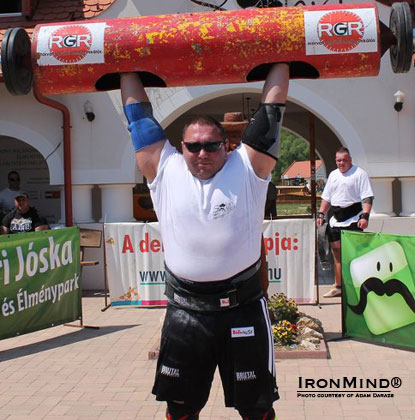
(15, 61)
(323, 247)
(400, 23)
(4, 68)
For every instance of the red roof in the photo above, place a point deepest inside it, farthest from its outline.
(48, 11)
(300, 169)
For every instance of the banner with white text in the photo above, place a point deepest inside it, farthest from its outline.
(39, 280)
(135, 261)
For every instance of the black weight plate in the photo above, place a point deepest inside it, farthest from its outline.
(5, 62)
(323, 247)
(19, 78)
(400, 23)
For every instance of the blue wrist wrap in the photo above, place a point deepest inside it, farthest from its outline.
(144, 128)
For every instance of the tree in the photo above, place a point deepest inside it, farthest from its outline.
(293, 148)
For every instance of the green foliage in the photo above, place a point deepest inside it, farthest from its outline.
(293, 148)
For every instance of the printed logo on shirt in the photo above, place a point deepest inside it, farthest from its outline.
(242, 332)
(169, 371)
(21, 225)
(245, 376)
(222, 209)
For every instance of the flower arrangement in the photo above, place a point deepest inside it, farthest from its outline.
(293, 329)
(283, 308)
(284, 333)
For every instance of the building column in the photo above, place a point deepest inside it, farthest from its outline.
(383, 203)
(408, 196)
(117, 202)
(82, 203)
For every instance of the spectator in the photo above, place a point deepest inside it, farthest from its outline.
(8, 194)
(349, 194)
(23, 218)
(271, 202)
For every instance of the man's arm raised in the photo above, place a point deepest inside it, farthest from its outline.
(262, 136)
(146, 134)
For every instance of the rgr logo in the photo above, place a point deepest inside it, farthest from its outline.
(70, 44)
(340, 30)
(70, 41)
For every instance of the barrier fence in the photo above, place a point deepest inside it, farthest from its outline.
(39, 280)
(135, 261)
(378, 272)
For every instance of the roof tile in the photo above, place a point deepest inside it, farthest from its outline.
(300, 168)
(56, 11)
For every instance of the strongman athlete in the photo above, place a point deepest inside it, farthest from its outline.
(349, 194)
(210, 206)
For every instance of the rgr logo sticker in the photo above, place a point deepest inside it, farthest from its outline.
(340, 31)
(71, 44)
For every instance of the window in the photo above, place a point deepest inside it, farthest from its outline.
(11, 8)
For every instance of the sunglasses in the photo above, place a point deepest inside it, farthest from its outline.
(210, 147)
(14, 179)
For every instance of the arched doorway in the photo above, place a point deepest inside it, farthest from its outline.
(296, 119)
(32, 167)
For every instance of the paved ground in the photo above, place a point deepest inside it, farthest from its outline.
(70, 374)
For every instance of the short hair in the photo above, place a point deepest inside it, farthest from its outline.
(13, 173)
(205, 120)
(343, 150)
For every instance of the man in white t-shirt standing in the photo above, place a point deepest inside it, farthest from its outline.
(210, 206)
(349, 194)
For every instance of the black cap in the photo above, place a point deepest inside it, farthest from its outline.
(21, 194)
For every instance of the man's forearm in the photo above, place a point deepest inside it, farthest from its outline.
(367, 207)
(324, 207)
(276, 85)
(132, 89)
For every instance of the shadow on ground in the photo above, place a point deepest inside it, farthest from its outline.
(63, 340)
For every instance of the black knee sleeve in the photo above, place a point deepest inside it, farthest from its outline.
(264, 130)
(257, 413)
(177, 411)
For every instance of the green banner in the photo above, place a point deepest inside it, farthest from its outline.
(378, 274)
(39, 280)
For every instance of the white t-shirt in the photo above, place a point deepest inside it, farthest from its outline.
(7, 200)
(345, 189)
(211, 229)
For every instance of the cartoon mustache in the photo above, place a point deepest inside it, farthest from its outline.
(373, 284)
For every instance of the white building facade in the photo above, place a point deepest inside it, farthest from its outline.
(357, 113)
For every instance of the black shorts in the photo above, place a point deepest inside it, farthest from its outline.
(239, 341)
(334, 232)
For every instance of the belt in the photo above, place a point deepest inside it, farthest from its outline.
(220, 295)
(343, 213)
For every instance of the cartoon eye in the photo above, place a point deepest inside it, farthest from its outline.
(378, 266)
(391, 266)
